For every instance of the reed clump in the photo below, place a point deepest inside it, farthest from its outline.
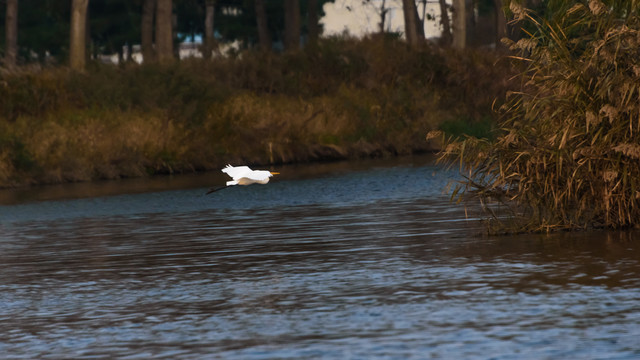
(567, 153)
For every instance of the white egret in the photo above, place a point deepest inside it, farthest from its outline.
(243, 175)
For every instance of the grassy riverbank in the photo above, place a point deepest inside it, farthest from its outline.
(346, 98)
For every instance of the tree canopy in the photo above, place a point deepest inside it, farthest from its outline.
(44, 25)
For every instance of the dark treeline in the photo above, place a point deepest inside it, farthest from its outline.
(58, 31)
(44, 27)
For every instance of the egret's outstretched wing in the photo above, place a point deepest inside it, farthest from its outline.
(237, 172)
(258, 175)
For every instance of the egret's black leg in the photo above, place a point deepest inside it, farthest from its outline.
(214, 189)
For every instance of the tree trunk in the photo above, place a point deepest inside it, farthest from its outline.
(501, 22)
(470, 22)
(291, 24)
(11, 33)
(209, 39)
(459, 24)
(446, 25)
(413, 29)
(264, 37)
(312, 22)
(383, 16)
(78, 40)
(164, 31)
(146, 29)
(129, 57)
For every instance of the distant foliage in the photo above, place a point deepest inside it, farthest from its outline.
(568, 152)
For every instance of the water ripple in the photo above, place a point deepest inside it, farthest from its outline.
(355, 275)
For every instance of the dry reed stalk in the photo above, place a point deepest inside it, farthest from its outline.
(567, 155)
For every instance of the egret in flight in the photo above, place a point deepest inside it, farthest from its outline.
(243, 175)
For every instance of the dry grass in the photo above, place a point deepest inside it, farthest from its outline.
(567, 154)
(60, 149)
(346, 98)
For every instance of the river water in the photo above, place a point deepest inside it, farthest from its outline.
(357, 260)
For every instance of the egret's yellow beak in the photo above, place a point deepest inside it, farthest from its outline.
(274, 173)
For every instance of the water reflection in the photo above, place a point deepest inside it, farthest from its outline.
(362, 268)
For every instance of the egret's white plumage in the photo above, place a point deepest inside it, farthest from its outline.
(243, 175)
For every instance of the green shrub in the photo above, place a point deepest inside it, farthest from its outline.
(458, 127)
